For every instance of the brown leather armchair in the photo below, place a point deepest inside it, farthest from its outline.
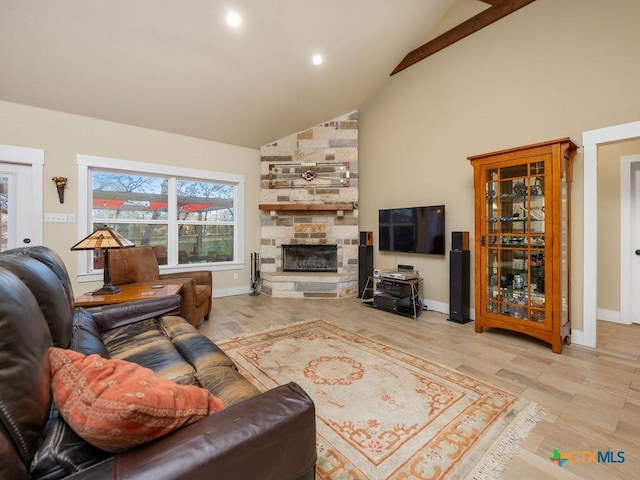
(139, 265)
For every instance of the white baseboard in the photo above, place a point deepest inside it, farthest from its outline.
(577, 337)
(229, 292)
(436, 306)
(444, 307)
(608, 315)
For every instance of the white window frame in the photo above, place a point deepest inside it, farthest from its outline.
(87, 162)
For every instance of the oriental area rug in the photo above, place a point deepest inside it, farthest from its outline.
(382, 413)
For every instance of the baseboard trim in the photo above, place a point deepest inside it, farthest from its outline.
(229, 292)
(608, 315)
(577, 337)
(435, 306)
(442, 307)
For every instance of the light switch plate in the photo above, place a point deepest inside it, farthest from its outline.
(55, 218)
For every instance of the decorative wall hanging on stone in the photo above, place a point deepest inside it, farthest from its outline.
(309, 175)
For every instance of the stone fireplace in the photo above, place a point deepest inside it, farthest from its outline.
(308, 203)
(309, 258)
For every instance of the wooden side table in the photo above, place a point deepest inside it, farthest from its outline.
(129, 293)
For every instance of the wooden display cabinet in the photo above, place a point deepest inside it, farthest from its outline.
(522, 238)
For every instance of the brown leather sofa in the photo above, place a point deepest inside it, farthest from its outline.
(139, 266)
(267, 436)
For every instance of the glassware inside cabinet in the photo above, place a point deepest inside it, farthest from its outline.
(513, 203)
(493, 284)
(520, 266)
(537, 316)
(515, 241)
(536, 212)
(514, 281)
(517, 236)
(491, 205)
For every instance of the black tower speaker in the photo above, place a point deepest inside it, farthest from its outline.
(459, 240)
(366, 238)
(459, 263)
(365, 265)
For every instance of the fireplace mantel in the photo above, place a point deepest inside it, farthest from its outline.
(307, 207)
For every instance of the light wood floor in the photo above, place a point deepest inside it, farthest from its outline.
(592, 396)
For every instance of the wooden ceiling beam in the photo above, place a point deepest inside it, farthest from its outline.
(498, 10)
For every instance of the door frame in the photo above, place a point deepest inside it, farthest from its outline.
(628, 164)
(33, 157)
(590, 142)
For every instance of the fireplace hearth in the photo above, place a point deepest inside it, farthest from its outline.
(309, 258)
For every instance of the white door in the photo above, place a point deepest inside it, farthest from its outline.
(635, 242)
(20, 218)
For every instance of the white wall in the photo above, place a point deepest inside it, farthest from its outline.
(552, 69)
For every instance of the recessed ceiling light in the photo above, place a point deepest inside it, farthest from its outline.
(233, 19)
(317, 59)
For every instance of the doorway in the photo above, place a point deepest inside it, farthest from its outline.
(20, 196)
(590, 141)
(629, 239)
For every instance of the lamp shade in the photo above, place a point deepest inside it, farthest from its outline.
(103, 238)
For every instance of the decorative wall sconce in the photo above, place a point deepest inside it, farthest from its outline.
(61, 183)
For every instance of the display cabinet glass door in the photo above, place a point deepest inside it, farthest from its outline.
(514, 241)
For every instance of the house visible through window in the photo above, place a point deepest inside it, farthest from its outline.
(187, 216)
(193, 219)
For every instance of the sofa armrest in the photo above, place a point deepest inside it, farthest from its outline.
(201, 277)
(268, 437)
(188, 294)
(120, 314)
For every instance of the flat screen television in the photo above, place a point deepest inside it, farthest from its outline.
(412, 230)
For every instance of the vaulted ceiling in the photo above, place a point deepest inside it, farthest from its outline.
(176, 66)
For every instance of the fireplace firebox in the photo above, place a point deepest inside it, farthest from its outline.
(309, 258)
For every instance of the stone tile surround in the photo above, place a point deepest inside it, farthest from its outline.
(309, 285)
(330, 142)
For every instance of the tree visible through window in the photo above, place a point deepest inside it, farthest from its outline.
(184, 220)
